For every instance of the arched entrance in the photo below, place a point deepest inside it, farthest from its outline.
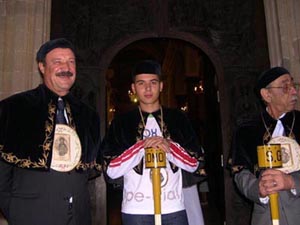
(187, 68)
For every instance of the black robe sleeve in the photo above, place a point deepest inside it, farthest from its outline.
(182, 132)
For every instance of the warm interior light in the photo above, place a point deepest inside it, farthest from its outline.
(132, 96)
(199, 88)
(184, 108)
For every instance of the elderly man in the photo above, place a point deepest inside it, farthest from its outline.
(278, 118)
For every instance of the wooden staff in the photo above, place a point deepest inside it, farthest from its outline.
(156, 159)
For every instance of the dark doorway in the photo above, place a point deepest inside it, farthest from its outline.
(190, 84)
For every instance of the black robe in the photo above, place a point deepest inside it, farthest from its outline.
(30, 192)
(126, 129)
(254, 133)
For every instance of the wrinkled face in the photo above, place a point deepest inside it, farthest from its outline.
(147, 88)
(59, 70)
(281, 95)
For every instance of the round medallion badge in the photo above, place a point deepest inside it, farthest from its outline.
(290, 153)
(66, 151)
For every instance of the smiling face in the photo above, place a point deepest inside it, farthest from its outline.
(147, 87)
(280, 95)
(59, 70)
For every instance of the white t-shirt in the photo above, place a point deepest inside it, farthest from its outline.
(137, 192)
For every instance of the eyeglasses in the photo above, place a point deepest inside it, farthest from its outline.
(287, 87)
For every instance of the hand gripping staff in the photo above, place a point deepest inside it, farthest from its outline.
(154, 160)
(269, 156)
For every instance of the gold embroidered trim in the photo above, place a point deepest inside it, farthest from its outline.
(42, 162)
(91, 165)
(47, 144)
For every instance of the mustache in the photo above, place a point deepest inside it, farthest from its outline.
(64, 74)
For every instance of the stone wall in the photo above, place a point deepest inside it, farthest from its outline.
(24, 26)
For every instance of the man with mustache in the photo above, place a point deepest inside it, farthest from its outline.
(37, 184)
(278, 117)
(64, 74)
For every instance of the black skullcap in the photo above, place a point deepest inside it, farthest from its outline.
(268, 76)
(50, 45)
(148, 67)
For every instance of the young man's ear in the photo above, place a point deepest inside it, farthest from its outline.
(133, 88)
(161, 86)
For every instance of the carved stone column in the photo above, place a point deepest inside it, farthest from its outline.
(283, 30)
(24, 26)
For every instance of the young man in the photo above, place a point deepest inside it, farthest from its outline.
(279, 93)
(45, 165)
(151, 125)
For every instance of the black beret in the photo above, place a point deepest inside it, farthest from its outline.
(268, 76)
(148, 67)
(50, 45)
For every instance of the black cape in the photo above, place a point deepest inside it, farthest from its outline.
(27, 129)
(126, 129)
(256, 132)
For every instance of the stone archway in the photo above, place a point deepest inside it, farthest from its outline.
(113, 50)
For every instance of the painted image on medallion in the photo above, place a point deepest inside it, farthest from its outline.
(62, 148)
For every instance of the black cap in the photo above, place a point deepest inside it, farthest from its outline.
(148, 67)
(268, 76)
(50, 45)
